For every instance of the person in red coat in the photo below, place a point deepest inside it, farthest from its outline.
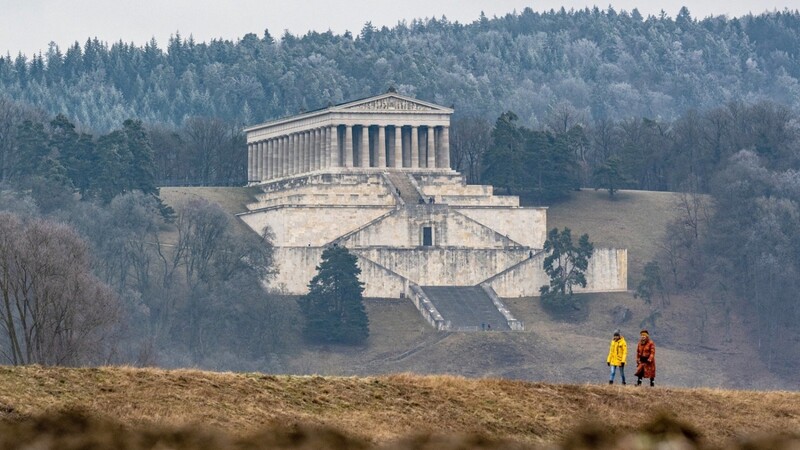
(645, 359)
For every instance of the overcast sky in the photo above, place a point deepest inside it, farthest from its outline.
(30, 25)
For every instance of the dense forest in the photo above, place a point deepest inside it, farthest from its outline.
(545, 103)
(607, 64)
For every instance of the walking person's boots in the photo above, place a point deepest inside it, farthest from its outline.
(610, 381)
(639, 381)
(652, 382)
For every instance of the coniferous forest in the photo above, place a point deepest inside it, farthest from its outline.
(545, 103)
(612, 65)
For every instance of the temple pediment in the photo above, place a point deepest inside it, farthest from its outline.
(392, 103)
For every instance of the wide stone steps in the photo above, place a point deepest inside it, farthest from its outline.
(405, 189)
(466, 308)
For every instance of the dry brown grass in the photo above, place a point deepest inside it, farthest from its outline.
(388, 410)
(635, 220)
(231, 199)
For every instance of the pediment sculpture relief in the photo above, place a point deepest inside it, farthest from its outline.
(391, 104)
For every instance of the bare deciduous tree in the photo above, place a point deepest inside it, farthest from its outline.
(54, 311)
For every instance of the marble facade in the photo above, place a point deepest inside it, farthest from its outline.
(388, 131)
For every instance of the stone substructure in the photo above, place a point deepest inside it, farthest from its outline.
(462, 235)
(373, 175)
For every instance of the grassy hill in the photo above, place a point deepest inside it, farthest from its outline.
(700, 344)
(469, 390)
(381, 410)
(635, 220)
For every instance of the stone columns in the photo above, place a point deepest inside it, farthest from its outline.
(298, 149)
(398, 146)
(249, 162)
(414, 147)
(320, 148)
(316, 165)
(306, 151)
(309, 150)
(366, 160)
(406, 148)
(293, 153)
(334, 143)
(260, 164)
(264, 160)
(380, 148)
(348, 146)
(270, 154)
(287, 145)
(312, 162)
(280, 166)
(431, 148)
(279, 157)
(326, 147)
(444, 142)
(266, 164)
(256, 162)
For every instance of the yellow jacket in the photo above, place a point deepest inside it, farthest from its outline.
(618, 352)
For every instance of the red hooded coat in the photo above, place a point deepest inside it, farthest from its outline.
(646, 359)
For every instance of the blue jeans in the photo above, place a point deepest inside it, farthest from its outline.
(614, 372)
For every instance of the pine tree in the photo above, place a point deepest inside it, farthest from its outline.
(611, 175)
(566, 264)
(334, 306)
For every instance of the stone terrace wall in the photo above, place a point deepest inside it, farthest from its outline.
(528, 226)
(325, 189)
(314, 226)
(607, 272)
(404, 229)
(298, 265)
(445, 266)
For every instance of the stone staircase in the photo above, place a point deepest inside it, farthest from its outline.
(405, 189)
(466, 308)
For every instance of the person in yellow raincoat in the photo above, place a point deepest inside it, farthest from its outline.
(617, 354)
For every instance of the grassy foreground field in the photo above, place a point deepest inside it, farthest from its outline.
(381, 411)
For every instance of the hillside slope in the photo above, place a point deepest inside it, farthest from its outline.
(382, 409)
(699, 343)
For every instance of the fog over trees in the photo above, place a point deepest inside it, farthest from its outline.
(545, 103)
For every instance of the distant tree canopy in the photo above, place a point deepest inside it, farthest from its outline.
(56, 154)
(584, 86)
(607, 64)
(539, 163)
(334, 306)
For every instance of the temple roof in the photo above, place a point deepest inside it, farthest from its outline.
(390, 102)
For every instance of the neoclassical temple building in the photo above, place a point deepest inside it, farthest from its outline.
(374, 175)
(387, 131)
